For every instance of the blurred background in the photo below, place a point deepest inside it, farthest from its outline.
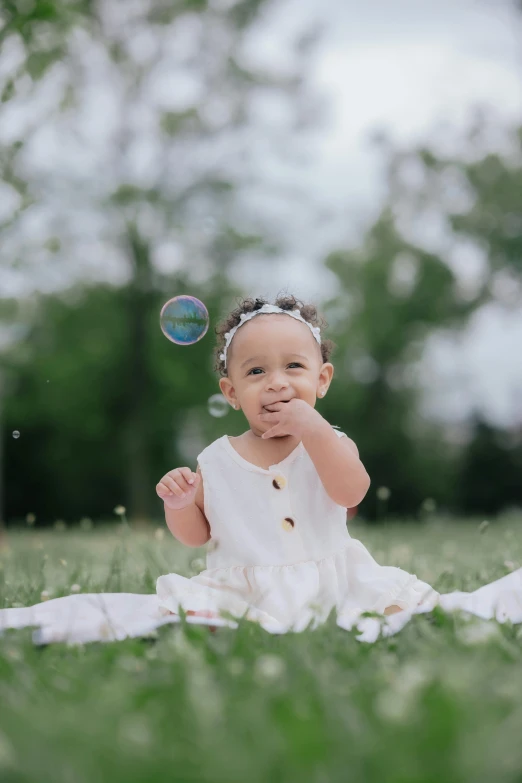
(363, 157)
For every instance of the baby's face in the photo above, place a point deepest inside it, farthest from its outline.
(273, 358)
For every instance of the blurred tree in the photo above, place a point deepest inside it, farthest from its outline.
(477, 194)
(77, 384)
(147, 131)
(392, 294)
(489, 471)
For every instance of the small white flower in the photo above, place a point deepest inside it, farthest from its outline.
(119, 510)
(75, 588)
(383, 493)
(236, 666)
(429, 505)
(198, 564)
(270, 667)
(400, 551)
(7, 752)
(478, 632)
(44, 595)
(222, 356)
(134, 731)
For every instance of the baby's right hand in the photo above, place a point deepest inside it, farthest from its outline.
(178, 487)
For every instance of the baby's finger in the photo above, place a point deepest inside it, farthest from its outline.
(187, 475)
(162, 490)
(178, 475)
(172, 485)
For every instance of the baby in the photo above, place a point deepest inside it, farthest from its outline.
(273, 500)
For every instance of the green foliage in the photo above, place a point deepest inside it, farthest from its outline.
(243, 12)
(164, 13)
(494, 218)
(96, 376)
(479, 192)
(385, 324)
(94, 381)
(497, 460)
(387, 329)
(173, 123)
(43, 27)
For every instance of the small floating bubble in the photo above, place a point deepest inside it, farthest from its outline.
(16, 434)
(218, 406)
(184, 320)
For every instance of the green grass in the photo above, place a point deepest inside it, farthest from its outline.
(440, 702)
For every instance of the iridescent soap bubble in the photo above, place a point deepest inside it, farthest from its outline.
(184, 320)
(16, 434)
(218, 406)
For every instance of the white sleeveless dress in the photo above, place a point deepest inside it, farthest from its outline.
(281, 550)
(280, 555)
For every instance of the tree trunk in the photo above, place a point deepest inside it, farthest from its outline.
(138, 383)
(3, 536)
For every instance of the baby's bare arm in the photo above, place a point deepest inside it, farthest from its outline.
(184, 503)
(189, 525)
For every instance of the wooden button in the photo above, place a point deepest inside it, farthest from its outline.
(288, 523)
(279, 482)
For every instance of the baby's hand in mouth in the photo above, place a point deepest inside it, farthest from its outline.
(269, 407)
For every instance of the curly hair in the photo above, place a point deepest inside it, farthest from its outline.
(285, 302)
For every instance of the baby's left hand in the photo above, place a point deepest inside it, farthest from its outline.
(295, 417)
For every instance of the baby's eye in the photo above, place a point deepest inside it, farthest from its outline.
(258, 368)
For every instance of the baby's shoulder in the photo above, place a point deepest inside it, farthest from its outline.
(350, 443)
(213, 449)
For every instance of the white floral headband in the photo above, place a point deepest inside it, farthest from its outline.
(267, 308)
